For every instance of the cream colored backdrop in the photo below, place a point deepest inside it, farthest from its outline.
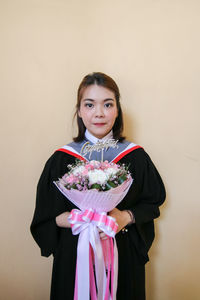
(151, 48)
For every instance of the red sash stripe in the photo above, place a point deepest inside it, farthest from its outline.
(72, 153)
(120, 156)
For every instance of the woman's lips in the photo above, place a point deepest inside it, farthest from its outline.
(99, 124)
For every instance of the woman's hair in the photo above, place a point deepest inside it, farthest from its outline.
(104, 80)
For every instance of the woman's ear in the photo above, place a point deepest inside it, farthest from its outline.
(79, 113)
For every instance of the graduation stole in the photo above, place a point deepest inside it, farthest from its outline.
(86, 149)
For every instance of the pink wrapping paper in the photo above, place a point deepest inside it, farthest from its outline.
(103, 201)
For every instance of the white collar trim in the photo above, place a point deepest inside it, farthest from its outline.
(94, 140)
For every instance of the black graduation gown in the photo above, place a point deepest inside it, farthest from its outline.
(145, 196)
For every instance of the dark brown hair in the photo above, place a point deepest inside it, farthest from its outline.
(107, 82)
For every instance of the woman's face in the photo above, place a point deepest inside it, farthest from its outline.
(98, 110)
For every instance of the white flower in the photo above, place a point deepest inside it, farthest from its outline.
(97, 176)
(111, 171)
(78, 170)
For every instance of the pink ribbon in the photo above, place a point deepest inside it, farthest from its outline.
(86, 224)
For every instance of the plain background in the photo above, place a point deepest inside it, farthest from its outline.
(151, 48)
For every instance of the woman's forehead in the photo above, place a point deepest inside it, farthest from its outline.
(97, 92)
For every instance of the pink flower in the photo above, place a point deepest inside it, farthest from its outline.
(89, 167)
(105, 164)
(71, 179)
(95, 164)
(85, 172)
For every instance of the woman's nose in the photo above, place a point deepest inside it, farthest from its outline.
(99, 112)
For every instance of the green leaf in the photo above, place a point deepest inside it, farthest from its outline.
(74, 186)
(110, 184)
(122, 178)
(96, 186)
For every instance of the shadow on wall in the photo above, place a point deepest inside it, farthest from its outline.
(151, 269)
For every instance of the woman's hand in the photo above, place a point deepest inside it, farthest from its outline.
(122, 218)
(62, 220)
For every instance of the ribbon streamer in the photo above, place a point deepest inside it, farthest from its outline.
(86, 224)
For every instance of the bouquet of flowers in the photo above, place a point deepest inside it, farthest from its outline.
(95, 188)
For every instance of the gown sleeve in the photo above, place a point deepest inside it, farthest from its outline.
(152, 191)
(49, 204)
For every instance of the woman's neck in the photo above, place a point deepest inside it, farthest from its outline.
(94, 139)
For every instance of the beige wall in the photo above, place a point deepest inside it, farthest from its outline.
(151, 48)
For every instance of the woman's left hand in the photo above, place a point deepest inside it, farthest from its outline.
(122, 217)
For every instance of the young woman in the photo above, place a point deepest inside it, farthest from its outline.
(99, 117)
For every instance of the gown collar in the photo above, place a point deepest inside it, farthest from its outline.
(94, 140)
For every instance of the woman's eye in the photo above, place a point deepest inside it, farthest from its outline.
(90, 105)
(108, 105)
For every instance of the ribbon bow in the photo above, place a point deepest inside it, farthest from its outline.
(86, 224)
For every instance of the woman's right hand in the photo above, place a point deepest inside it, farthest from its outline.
(62, 220)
